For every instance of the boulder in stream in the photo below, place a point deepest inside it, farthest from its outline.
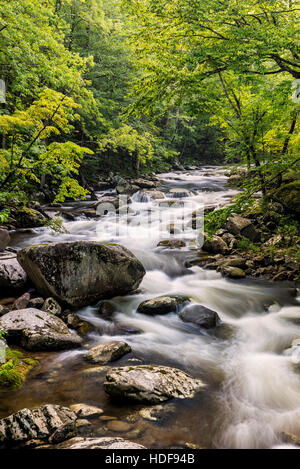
(200, 315)
(162, 305)
(150, 384)
(37, 330)
(108, 352)
(83, 272)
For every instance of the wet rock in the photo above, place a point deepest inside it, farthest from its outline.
(36, 303)
(83, 272)
(152, 195)
(290, 438)
(162, 305)
(200, 315)
(21, 302)
(144, 184)
(39, 423)
(108, 352)
(216, 245)
(233, 272)
(239, 262)
(12, 275)
(243, 226)
(150, 384)
(29, 218)
(4, 239)
(51, 306)
(179, 192)
(64, 432)
(37, 330)
(74, 322)
(106, 310)
(118, 426)
(85, 411)
(99, 443)
(172, 243)
(82, 424)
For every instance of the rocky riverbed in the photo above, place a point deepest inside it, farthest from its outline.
(129, 332)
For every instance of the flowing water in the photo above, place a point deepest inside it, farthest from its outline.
(252, 391)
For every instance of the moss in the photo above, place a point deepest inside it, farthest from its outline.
(14, 371)
(289, 195)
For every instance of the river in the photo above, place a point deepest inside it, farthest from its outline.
(252, 386)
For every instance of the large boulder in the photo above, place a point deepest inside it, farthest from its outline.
(12, 275)
(243, 226)
(200, 315)
(289, 196)
(37, 330)
(99, 443)
(39, 423)
(161, 305)
(83, 272)
(108, 352)
(150, 384)
(4, 239)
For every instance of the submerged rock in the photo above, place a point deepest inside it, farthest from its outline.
(39, 423)
(37, 330)
(150, 384)
(172, 243)
(108, 352)
(162, 305)
(200, 315)
(99, 443)
(85, 411)
(12, 275)
(83, 272)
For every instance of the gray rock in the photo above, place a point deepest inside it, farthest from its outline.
(83, 272)
(21, 302)
(242, 226)
(39, 423)
(64, 432)
(38, 330)
(150, 384)
(179, 192)
(107, 352)
(51, 306)
(4, 239)
(12, 275)
(99, 443)
(200, 315)
(216, 245)
(155, 195)
(106, 310)
(162, 305)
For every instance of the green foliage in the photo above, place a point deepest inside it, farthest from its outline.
(13, 372)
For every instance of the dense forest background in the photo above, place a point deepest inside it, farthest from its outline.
(99, 86)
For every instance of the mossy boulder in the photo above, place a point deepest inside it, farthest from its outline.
(289, 196)
(81, 273)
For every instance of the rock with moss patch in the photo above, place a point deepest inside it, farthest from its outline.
(289, 196)
(150, 384)
(162, 305)
(83, 272)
